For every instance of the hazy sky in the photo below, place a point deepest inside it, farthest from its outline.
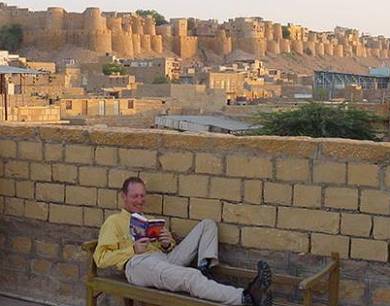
(368, 16)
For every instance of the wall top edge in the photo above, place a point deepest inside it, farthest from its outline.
(305, 147)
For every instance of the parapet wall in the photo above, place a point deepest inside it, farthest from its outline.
(289, 200)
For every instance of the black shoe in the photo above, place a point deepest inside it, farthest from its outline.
(206, 272)
(258, 290)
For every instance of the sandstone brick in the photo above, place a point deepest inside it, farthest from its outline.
(175, 206)
(369, 250)
(160, 182)
(30, 150)
(78, 195)
(36, 210)
(225, 188)
(1, 168)
(64, 173)
(381, 296)
(68, 271)
(181, 227)
(208, 163)
(1, 209)
(176, 161)
(307, 196)
(387, 177)
(274, 239)
(25, 189)
(249, 214)
(324, 245)
(7, 187)
(352, 291)
(356, 225)
(92, 176)
(193, 185)
(93, 216)
(53, 152)
(253, 191)
(106, 156)
(342, 198)
(363, 174)
(138, 158)
(109, 212)
(47, 249)
(14, 207)
(7, 149)
(382, 228)
(79, 154)
(153, 204)
(40, 172)
(73, 253)
(228, 233)
(205, 209)
(293, 170)
(65, 214)
(329, 172)
(116, 177)
(306, 219)
(21, 244)
(107, 198)
(245, 166)
(376, 202)
(18, 169)
(40, 266)
(50, 192)
(277, 193)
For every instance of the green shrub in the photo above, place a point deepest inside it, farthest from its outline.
(11, 37)
(161, 80)
(113, 68)
(158, 18)
(318, 120)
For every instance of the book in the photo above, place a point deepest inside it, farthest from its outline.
(141, 227)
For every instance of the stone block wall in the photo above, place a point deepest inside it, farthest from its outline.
(289, 200)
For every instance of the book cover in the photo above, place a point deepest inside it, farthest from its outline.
(141, 227)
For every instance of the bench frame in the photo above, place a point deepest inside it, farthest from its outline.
(327, 280)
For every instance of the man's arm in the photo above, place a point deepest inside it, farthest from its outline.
(109, 251)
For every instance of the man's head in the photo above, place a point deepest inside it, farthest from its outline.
(133, 194)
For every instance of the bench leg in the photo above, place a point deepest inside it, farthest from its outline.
(91, 299)
(128, 302)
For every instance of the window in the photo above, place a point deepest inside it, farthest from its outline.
(130, 104)
(68, 105)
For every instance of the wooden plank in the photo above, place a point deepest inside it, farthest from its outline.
(312, 281)
(148, 295)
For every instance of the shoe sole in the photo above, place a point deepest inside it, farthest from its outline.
(268, 300)
(264, 274)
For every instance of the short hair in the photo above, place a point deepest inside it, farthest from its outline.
(130, 181)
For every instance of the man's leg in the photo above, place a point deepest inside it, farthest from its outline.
(152, 270)
(202, 240)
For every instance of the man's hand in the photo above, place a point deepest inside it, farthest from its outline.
(140, 246)
(165, 238)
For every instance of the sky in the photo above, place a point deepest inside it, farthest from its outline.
(368, 17)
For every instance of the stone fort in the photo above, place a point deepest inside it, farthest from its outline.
(131, 35)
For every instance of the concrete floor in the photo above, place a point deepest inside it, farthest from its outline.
(6, 301)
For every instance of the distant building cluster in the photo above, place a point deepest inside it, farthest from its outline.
(131, 35)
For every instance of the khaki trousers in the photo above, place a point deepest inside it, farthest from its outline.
(170, 271)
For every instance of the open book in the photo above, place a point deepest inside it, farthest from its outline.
(141, 227)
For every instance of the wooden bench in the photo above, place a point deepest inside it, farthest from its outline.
(327, 280)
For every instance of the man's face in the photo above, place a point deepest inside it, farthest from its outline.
(134, 199)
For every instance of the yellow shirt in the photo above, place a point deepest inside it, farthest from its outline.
(115, 245)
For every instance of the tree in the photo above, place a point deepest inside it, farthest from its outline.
(318, 120)
(113, 68)
(11, 37)
(158, 18)
(286, 32)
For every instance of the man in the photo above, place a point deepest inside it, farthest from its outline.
(164, 265)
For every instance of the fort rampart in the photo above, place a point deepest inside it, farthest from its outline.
(289, 200)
